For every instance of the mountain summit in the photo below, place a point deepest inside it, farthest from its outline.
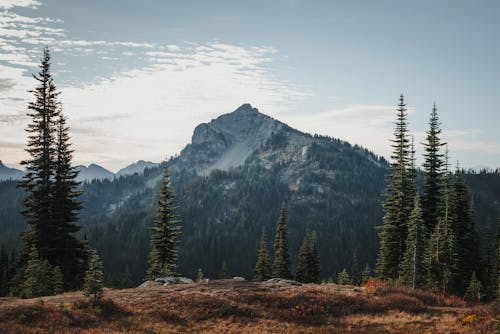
(227, 141)
(7, 173)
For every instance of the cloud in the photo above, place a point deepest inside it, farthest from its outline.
(6, 84)
(9, 4)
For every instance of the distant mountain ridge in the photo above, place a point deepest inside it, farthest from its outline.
(7, 173)
(136, 167)
(93, 172)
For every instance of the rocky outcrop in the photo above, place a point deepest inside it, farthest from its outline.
(283, 281)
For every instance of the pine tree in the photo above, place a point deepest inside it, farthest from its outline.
(51, 205)
(303, 268)
(343, 278)
(57, 281)
(473, 292)
(440, 258)
(355, 269)
(165, 234)
(263, 269)
(281, 257)
(397, 203)
(314, 259)
(199, 276)
(412, 266)
(38, 181)
(93, 281)
(366, 274)
(431, 199)
(467, 244)
(68, 253)
(37, 276)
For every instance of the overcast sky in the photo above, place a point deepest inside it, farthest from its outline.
(137, 76)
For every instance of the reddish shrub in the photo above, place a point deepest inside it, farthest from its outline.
(375, 287)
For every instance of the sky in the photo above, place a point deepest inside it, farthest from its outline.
(137, 76)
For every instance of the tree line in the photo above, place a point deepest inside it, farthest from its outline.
(428, 238)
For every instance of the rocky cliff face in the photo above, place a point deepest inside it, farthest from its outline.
(227, 141)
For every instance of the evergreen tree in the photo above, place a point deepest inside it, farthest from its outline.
(37, 276)
(343, 278)
(431, 199)
(57, 281)
(397, 203)
(165, 234)
(263, 268)
(412, 266)
(366, 274)
(67, 252)
(51, 204)
(308, 264)
(93, 281)
(281, 257)
(467, 244)
(199, 276)
(355, 269)
(440, 258)
(4, 271)
(473, 292)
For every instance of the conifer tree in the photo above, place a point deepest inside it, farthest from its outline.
(281, 257)
(440, 258)
(398, 201)
(343, 278)
(37, 276)
(165, 233)
(412, 266)
(93, 281)
(304, 264)
(366, 274)
(462, 220)
(263, 268)
(4, 271)
(431, 199)
(314, 259)
(199, 276)
(473, 292)
(355, 269)
(51, 204)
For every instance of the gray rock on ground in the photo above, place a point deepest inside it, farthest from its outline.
(169, 280)
(148, 284)
(283, 281)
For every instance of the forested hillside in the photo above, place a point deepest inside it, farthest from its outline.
(230, 183)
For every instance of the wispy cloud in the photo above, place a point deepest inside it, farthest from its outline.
(8, 4)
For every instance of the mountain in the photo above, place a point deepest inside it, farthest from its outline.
(230, 183)
(7, 173)
(137, 167)
(94, 172)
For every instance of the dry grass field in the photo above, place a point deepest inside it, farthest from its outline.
(228, 306)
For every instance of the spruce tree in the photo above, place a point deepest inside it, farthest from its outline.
(314, 270)
(93, 281)
(165, 233)
(4, 271)
(281, 257)
(343, 278)
(473, 292)
(464, 229)
(263, 268)
(365, 274)
(431, 199)
(412, 266)
(398, 201)
(37, 276)
(199, 276)
(51, 205)
(57, 281)
(303, 268)
(440, 258)
(355, 269)
(224, 271)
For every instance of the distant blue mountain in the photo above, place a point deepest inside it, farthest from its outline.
(7, 173)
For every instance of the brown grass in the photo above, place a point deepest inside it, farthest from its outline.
(243, 307)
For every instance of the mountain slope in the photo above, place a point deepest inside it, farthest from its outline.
(7, 173)
(137, 167)
(94, 172)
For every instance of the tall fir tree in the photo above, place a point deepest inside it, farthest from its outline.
(440, 258)
(281, 256)
(165, 233)
(263, 267)
(466, 237)
(412, 266)
(397, 203)
(51, 204)
(433, 164)
(308, 264)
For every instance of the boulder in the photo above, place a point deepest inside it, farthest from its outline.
(169, 280)
(239, 278)
(284, 281)
(148, 284)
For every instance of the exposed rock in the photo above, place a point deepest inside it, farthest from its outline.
(283, 281)
(169, 280)
(148, 284)
(356, 289)
(239, 278)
